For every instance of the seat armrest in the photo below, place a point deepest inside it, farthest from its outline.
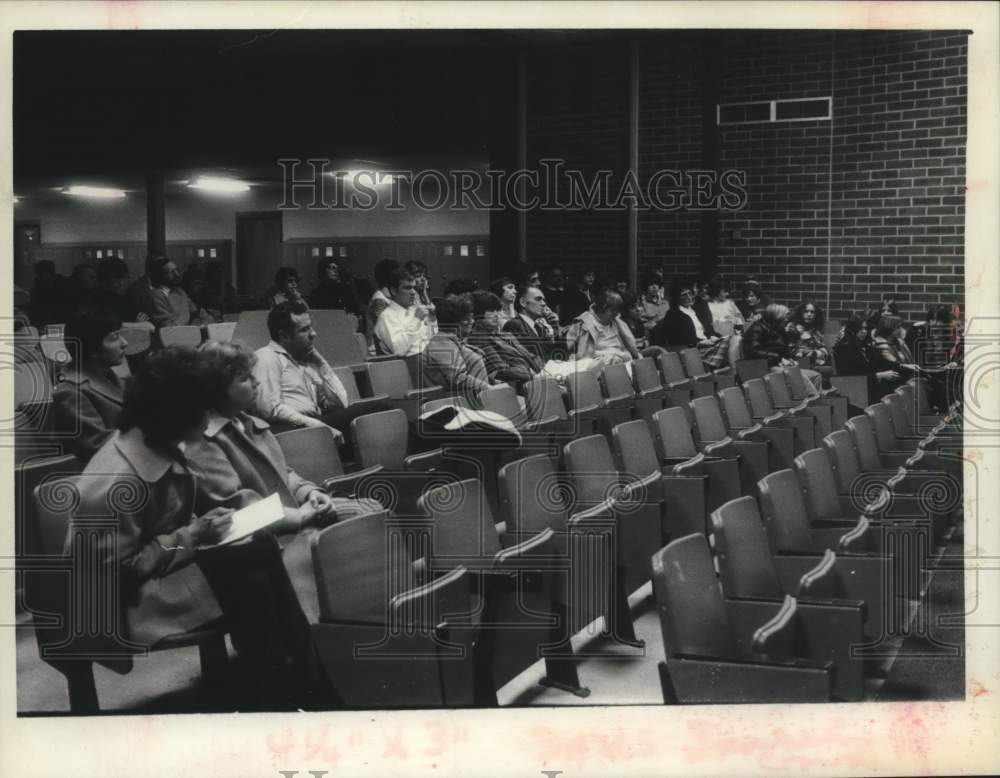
(346, 485)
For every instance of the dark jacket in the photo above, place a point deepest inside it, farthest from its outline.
(677, 329)
(544, 348)
(763, 342)
(86, 405)
(459, 368)
(334, 295)
(506, 359)
(573, 302)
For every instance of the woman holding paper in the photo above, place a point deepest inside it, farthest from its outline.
(238, 461)
(170, 577)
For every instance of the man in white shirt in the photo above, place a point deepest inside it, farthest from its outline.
(297, 386)
(402, 327)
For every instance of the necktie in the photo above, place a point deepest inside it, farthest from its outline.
(540, 329)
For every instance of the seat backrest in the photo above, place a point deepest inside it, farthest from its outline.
(865, 445)
(760, 400)
(381, 438)
(32, 383)
(881, 420)
(503, 400)
(181, 335)
(544, 400)
(221, 331)
(817, 478)
(589, 463)
(352, 569)
(671, 367)
(746, 566)
(708, 418)
(784, 511)
(778, 386)
(54, 500)
(635, 449)
(28, 476)
(251, 329)
(675, 433)
(797, 383)
(426, 607)
(693, 615)
(390, 377)
(843, 457)
(533, 495)
(646, 375)
(350, 382)
(617, 383)
(311, 452)
(462, 522)
(735, 405)
(906, 394)
(335, 336)
(584, 390)
(920, 397)
(692, 362)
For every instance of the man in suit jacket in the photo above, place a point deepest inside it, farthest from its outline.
(532, 329)
(88, 400)
(506, 359)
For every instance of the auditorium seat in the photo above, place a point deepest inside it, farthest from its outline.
(181, 335)
(756, 455)
(802, 390)
(392, 378)
(650, 392)
(675, 446)
(809, 427)
(781, 398)
(696, 370)
(502, 399)
(907, 423)
(221, 331)
(839, 602)
(383, 637)
(522, 593)
(680, 388)
(358, 405)
(138, 335)
(619, 394)
(312, 452)
(720, 650)
(925, 457)
(55, 592)
(747, 369)
(587, 405)
(680, 490)
(783, 440)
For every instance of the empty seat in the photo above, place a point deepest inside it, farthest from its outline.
(181, 335)
(680, 388)
(650, 392)
(782, 440)
(926, 457)
(809, 427)
(844, 595)
(586, 402)
(221, 331)
(619, 394)
(724, 651)
(695, 368)
(356, 404)
(801, 389)
(312, 452)
(138, 335)
(392, 378)
(781, 399)
(754, 453)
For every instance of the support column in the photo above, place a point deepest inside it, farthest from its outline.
(709, 243)
(633, 163)
(156, 219)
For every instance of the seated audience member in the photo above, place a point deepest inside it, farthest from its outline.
(532, 329)
(238, 461)
(524, 276)
(721, 307)
(48, 295)
(601, 334)
(87, 402)
(653, 303)
(112, 284)
(753, 302)
(402, 328)
(140, 291)
(932, 340)
(852, 356)
(772, 338)
(331, 292)
(298, 388)
(622, 286)
(218, 292)
(447, 360)
(681, 326)
(555, 289)
(421, 285)
(171, 304)
(381, 297)
(80, 288)
(193, 282)
(578, 298)
(171, 578)
(889, 307)
(887, 354)
(506, 359)
(506, 291)
(808, 319)
(700, 304)
(285, 289)
(461, 286)
(766, 338)
(632, 315)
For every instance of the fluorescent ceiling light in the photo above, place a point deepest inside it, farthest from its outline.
(214, 184)
(102, 192)
(365, 177)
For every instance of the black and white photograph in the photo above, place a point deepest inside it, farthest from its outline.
(373, 377)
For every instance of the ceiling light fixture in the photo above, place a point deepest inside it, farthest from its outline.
(215, 184)
(100, 192)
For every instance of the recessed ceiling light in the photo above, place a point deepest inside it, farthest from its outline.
(215, 184)
(101, 192)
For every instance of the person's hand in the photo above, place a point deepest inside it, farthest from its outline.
(787, 362)
(420, 312)
(320, 503)
(887, 375)
(142, 316)
(210, 527)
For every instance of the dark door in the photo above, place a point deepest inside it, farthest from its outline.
(27, 239)
(258, 250)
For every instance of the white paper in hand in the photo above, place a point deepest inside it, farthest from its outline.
(249, 520)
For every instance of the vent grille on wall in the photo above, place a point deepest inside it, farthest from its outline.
(800, 109)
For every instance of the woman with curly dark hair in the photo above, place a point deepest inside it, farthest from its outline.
(809, 319)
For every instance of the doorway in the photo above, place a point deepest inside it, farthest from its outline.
(27, 240)
(258, 250)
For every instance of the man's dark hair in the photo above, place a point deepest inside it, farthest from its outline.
(497, 285)
(416, 267)
(111, 269)
(483, 302)
(284, 274)
(322, 265)
(167, 397)
(676, 288)
(649, 279)
(715, 286)
(398, 276)
(156, 268)
(280, 318)
(453, 308)
(90, 324)
(383, 271)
